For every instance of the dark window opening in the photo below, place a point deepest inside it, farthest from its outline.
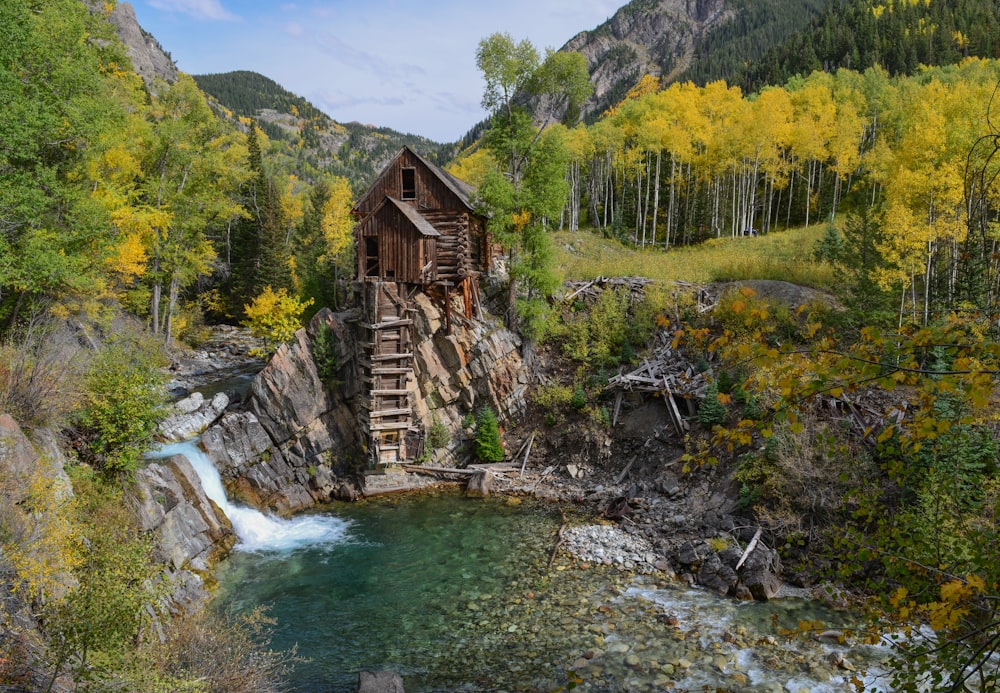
(371, 256)
(409, 190)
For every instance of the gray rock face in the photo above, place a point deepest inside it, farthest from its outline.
(297, 441)
(21, 464)
(148, 57)
(254, 470)
(474, 366)
(638, 41)
(192, 416)
(192, 534)
(19, 460)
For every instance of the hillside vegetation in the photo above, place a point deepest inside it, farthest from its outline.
(862, 432)
(306, 142)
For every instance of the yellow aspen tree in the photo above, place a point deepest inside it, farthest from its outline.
(815, 121)
(922, 173)
(774, 113)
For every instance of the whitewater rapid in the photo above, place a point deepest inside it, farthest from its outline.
(255, 530)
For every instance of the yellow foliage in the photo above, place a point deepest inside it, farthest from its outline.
(274, 316)
(42, 543)
(521, 219)
(129, 258)
(337, 224)
(472, 167)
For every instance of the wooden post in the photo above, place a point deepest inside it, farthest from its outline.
(447, 309)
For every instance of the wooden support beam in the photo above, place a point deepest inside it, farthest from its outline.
(379, 413)
(390, 357)
(390, 426)
(390, 323)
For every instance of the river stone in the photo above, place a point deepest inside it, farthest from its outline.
(480, 484)
(380, 682)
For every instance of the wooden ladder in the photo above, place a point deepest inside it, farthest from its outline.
(387, 367)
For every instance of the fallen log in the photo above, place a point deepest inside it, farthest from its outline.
(421, 469)
(750, 547)
(526, 454)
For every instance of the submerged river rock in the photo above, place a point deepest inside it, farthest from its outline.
(458, 594)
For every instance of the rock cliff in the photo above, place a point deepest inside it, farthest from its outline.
(657, 38)
(192, 533)
(296, 441)
(147, 56)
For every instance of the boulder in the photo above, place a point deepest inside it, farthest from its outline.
(716, 575)
(380, 682)
(192, 416)
(759, 573)
(480, 484)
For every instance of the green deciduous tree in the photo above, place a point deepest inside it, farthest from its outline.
(193, 168)
(528, 190)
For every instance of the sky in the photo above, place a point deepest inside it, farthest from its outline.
(405, 64)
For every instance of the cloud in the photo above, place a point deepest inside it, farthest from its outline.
(337, 101)
(199, 9)
(363, 61)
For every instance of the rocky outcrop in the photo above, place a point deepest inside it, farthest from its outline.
(25, 465)
(191, 416)
(295, 441)
(147, 56)
(722, 572)
(476, 365)
(191, 532)
(644, 38)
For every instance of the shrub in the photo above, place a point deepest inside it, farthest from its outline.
(553, 398)
(222, 652)
(93, 628)
(40, 369)
(488, 445)
(438, 435)
(123, 403)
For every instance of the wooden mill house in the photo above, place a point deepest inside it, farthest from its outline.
(416, 230)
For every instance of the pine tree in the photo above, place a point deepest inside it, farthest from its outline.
(488, 444)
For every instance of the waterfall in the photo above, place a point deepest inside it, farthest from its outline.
(257, 531)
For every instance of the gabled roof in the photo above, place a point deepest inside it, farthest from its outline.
(458, 186)
(415, 218)
(462, 190)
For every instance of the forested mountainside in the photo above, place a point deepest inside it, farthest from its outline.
(304, 140)
(679, 40)
(751, 44)
(897, 36)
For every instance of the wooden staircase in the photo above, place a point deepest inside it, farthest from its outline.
(386, 414)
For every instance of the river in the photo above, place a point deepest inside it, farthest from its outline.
(456, 594)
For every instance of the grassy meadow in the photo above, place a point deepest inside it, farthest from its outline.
(786, 255)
